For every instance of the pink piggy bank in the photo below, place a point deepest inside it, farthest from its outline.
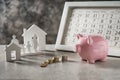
(91, 48)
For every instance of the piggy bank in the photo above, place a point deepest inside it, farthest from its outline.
(91, 48)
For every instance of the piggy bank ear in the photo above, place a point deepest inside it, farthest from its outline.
(79, 36)
(89, 40)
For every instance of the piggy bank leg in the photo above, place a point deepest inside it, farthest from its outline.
(91, 61)
(83, 59)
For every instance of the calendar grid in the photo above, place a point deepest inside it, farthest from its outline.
(98, 21)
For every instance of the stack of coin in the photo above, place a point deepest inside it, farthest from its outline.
(50, 61)
(54, 60)
(47, 62)
(64, 58)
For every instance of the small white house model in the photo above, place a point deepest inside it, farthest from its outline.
(13, 50)
(34, 39)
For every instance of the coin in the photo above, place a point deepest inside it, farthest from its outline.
(44, 64)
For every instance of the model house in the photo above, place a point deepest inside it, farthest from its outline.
(34, 39)
(13, 50)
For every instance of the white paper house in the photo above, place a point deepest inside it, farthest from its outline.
(34, 32)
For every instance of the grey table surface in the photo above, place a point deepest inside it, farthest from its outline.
(74, 69)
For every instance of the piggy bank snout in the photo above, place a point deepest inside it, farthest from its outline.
(77, 48)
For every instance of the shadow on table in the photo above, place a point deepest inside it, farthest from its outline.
(110, 63)
(26, 62)
(38, 56)
(73, 61)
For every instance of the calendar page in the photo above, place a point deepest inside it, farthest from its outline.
(97, 21)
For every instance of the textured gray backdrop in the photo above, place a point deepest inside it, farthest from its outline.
(18, 14)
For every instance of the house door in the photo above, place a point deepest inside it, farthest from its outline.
(13, 55)
(35, 42)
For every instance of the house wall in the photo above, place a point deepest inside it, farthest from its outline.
(42, 43)
(12, 48)
(26, 39)
(41, 40)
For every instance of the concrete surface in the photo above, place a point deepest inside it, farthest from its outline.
(75, 69)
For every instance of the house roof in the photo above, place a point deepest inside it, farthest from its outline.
(13, 46)
(36, 29)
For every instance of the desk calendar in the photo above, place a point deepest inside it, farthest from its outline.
(98, 18)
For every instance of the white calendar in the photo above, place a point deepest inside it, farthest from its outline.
(97, 21)
(90, 18)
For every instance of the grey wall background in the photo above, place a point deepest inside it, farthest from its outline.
(18, 14)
